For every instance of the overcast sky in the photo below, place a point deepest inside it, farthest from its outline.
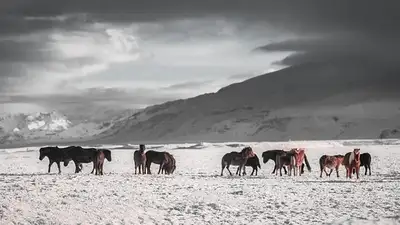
(139, 53)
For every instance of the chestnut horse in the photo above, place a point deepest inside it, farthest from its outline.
(236, 159)
(330, 162)
(101, 154)
(139, 158)
(300, 156)
(352, 161)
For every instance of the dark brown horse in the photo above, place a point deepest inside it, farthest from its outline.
(254, 162)
(285, 159)
(330, 162)
(99, 160)
(156, 157)
(236, 159)
(139, 157)
(55, 155)
(170, 166)
(271, 155)
(352, 161)
(365, 159)
(81, 155)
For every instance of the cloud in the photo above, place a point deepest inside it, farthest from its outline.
(59, 48)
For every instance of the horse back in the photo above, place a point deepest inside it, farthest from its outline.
(155, 157)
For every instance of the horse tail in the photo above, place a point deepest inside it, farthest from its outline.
(321, 162)
(307, 163)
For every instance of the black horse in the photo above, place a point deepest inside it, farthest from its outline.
(365, 160)
(55, 155)
(271, 155)
(81, 155)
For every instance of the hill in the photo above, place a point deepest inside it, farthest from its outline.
(311, 101)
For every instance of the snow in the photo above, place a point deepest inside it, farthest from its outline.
(196, 194)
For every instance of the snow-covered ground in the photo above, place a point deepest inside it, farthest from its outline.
(196, 194)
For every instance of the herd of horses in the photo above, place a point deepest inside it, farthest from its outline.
(295, 160)
(80, 155)
(292, 161)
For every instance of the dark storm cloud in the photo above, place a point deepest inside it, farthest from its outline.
(341, 29)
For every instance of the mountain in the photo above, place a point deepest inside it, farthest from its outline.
(20, 128)
(308, 101)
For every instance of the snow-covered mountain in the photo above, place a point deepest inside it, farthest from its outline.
(309, 101)
(17, 128)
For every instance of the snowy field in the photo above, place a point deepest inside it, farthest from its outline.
(195, 193)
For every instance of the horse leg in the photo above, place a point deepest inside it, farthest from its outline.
(227, 167)
(244, 169)
(284, 168)
(161, 166)
(321, 168)
(252, 172)
(369, 167)
(330, 172)
(59, 168)
(102, 164)
(237, 171)
(50, 163)
(365, 166)
(358, 172)
(274, 168)
(337, 170)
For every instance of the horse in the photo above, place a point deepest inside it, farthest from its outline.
(139, 157)
(170, 166)
(55, 155)
(254, 162)
(99, 160)
(365, 159)
(271, 154)
(352, 161)
(236, 159)
(300, 157)
(81, 155)
(285, 159)
(330, 162)
(156, 157)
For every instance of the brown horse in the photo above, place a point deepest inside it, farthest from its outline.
(352, 161)
(254, 162)
(99, 160)
(236, 159)
(330, 162)
(300, 156)
(285, 159)
(170, 166)
(156, 157)
(139, 157)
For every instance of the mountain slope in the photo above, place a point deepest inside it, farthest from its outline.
(310, 101)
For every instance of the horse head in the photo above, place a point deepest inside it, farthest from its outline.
(66, 161)
(265, 157)
(356, 154)
(107, 154)
(44, 152)
(247, 152)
